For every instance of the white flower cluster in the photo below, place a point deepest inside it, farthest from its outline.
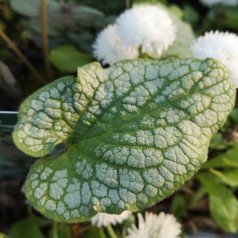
(222, 46)
(144, 29)
(210, 3)
(109, 49)
(155, 226)
(103, 219)
(148, 29)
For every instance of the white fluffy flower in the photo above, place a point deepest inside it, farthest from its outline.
(103, 219)
(155, 226)
(215, 2)
(109, 49)
(222, 46)
(148, 27)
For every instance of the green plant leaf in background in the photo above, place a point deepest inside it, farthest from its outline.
(229, 177)
(3, 235)
(88, 16)
(234, 115)
(218, 143)
(95, 232)
(27, 227)
(179, 206)
(181, 46)
(190, 14)
(64, 231)
(225, 16)
(135, 132)
(223, 205)
(31, 8)
(228, 159)
(68, 58)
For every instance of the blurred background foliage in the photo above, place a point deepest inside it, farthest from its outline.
(31, 57)
(71, 30)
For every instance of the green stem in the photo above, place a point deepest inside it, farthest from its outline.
(55, 229)
(124, 232)
(22, 57)
(45, 43)
(111, 231)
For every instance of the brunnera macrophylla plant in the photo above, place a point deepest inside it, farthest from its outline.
(135, 132)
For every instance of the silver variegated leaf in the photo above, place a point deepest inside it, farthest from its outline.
(134, 132)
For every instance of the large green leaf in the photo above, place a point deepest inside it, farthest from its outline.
(134, 133)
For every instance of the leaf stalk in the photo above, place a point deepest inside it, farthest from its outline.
(111, 232)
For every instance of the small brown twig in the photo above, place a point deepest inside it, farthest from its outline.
(22, 57)
(45, 43)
